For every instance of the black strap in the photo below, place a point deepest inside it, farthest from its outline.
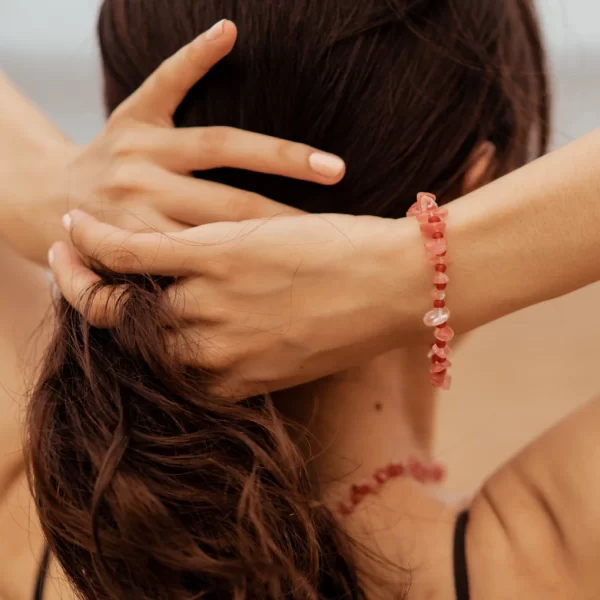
(461, 577)
(42, 573)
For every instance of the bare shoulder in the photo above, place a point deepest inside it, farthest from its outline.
(535, 526)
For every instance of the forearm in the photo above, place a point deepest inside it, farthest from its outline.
(33, 158)
(526, 238)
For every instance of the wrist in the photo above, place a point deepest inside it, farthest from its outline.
(33, 159)
(402, 262)
(32, 216)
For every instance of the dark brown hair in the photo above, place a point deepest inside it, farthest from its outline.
(146, 485)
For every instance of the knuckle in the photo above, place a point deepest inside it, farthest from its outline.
(214, 139)
(122, 176)
(164, 76)
(284, 150)
(236, 205)
(120, 259)
(168, 74)
(124, 142)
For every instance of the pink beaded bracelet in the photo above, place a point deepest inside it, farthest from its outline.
(432, 219)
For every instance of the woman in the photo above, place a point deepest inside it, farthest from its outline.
(61, 264)
(244, 505)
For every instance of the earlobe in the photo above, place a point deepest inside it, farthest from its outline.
(480, 167)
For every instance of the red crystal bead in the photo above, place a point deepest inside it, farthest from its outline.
(439, 344)
(439, 304)
(416, 470)
(434, 219)
(441, 286)
(437, 379)
(431, 229)
(440, 367)
(381, 476)
(396, 469)
(437, 473)
(445, 334)
(438, 235)
(436, 246)
(361, 490)
(441, 268)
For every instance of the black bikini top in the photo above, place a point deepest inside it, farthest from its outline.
(461, 579)
(42, 574)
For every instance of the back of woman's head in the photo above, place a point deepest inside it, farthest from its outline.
(147, 486)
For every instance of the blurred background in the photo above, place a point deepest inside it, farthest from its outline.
(514, 377)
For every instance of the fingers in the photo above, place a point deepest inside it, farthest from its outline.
(76, 282)
(124, 251)
(197, 202)
(159, 96)
(204, 148)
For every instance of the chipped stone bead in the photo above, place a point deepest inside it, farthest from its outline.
(437, 379)
(429, 229)
(436, 317)
(381, 476)
(436, 247)
(444, 334)
(440, 367)
(438, 294)
(444, 352)
(396, 469)
(417, 470)
(440, 278)
(426, 201)
(437, 473)
(441, 212)
(439, 260)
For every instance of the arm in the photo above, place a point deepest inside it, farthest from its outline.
(337, 290)
(33, 158)
(526, 238)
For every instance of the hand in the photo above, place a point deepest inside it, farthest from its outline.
(135, 173)
(266, 303)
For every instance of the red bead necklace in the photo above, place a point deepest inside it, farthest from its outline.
(424, 472)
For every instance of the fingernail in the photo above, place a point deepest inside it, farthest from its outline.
(327, 165)
(216, 31)
(51, 256)
(67, 222)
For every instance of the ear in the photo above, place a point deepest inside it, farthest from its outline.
(480, 168)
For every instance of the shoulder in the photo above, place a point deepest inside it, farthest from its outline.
(534, 529)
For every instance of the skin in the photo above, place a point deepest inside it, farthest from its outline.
(534, 526)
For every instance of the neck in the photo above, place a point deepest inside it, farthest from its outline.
(359, 421)
(365, 417)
